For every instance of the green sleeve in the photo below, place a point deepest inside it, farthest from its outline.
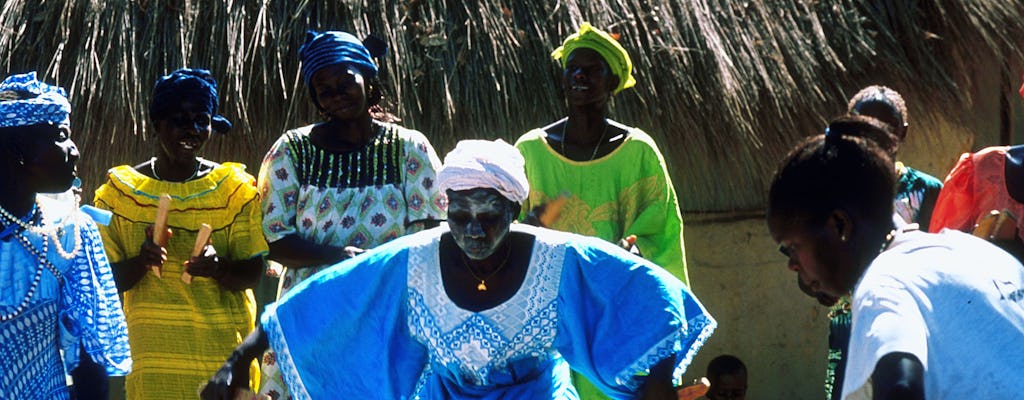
(659, 225)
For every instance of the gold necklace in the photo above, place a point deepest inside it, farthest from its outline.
(482, 286)
(596, 146)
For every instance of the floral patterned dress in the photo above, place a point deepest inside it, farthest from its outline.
(362, 198)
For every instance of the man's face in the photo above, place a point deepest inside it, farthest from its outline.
(729, 387)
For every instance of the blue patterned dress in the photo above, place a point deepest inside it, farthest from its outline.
(396, 334)
(78, 308)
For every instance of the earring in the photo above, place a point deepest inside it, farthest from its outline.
(21, 161)
(842, 238)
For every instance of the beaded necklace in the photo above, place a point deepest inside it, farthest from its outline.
(888, 241)
(36, 278)
(42, 230)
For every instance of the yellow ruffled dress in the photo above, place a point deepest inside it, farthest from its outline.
(180, 334)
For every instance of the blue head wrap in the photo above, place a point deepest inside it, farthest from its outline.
(186, 84)
(335, 47)
(27, 101)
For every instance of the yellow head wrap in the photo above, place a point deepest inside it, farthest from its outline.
(605, 45)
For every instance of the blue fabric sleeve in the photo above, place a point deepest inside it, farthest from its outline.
(619, 315)
(342, 333)
(91, 312)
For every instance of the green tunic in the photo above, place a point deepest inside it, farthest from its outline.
(627, 192)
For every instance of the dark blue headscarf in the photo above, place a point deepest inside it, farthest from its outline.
(186, 84)
(323, 49)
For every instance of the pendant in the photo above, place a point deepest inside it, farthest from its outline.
(481, 287)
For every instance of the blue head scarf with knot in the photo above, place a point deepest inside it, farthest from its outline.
(323, 49)
(26, 101)
(193, 85)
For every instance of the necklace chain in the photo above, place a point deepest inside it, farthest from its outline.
(52, 230)
(44, 263)
(596, 146)
(482, 286)
(195, 172)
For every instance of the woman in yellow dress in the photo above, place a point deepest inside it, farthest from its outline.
(180, 330)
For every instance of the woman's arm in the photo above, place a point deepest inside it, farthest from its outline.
(241, 274)
(233, 275)
(898, 376)
(129, 272)
(295, 252)
(658, 384)
(234, 374)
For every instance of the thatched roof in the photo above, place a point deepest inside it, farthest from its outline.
(724, 86)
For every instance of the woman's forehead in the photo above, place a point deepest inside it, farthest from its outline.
(335, 72)
(475, 198)
(186, 106)
(584, 53)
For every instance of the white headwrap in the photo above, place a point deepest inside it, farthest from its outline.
(485, 164)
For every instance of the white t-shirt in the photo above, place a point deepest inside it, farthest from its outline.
(953, 300)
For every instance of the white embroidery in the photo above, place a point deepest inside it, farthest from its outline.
(475, 345)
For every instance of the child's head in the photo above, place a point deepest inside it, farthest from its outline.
(728, 377)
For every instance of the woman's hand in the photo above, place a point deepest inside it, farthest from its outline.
(230, 379)
(151, 253)
(545, 214)
(629, 244)
(658, 383)
(352, 251)
(233, 377)
(207, 264)
(232, 275)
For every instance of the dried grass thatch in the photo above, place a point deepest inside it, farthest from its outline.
(725, 86)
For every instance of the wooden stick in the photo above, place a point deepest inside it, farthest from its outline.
(553, 210)
(985, 225)
(1006, 226)
(696, 390)
(202, 238)
(160, 227)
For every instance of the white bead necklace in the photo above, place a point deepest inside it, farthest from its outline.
(43, 263)
(42, 230)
